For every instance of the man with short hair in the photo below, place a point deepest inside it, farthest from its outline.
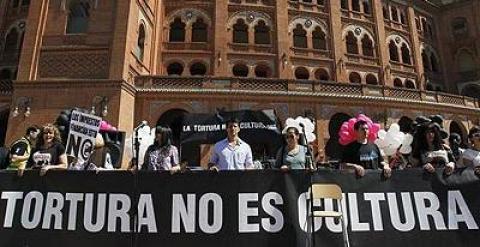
(361, 154)
(231, 153)
(20, 150)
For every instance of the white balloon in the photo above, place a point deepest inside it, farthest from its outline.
(390, 141)
(382, 134)
(308, 126)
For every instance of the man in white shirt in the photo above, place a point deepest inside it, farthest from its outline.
(231, 153)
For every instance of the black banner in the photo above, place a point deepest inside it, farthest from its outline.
(260, 129)
(234, 208)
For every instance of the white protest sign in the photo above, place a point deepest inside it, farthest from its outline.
(81, 137)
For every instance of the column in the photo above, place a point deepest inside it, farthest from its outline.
(337, 45)
(221, 39)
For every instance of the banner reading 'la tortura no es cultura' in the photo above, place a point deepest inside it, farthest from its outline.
(254, 208)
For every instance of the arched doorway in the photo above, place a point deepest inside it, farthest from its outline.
(173, 118)
(333, 149)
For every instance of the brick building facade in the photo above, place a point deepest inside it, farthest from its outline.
(156, 60)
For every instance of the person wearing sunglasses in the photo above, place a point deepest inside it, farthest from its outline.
(292, 155)
(471, 156)
(362, 154)
(429, 150)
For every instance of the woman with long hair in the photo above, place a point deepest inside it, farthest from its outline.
(49, 152)
(429, 150)
(292, 155)
(162, 155)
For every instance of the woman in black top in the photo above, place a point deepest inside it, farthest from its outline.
(429, 150)
(49, 152)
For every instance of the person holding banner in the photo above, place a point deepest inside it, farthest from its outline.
(21, 150)
(49, 152)
(231, 153)
(429, 150)
(162, 155)
(292, 155)
(471, 156)
(361, 154)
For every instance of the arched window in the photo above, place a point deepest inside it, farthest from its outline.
(240, 32)
(299, 37)
(366, 8)
(198, 69)
(301, 73)
(397, 82)
(367, 46)
(78, 16)
(403, 19)
(5, 74)
(141, 42)
(394, 14)
(433, 63)
(392, 48)
(11, 40)
(409, 84)
(262, 71)
(355, 78)
(344, 4)
(405, 54)
(199, 31)
(466, 66)
(240, 70)
(371, 79)
(465, 61)
(386, 13)
(460, 27)
(471, 91)
(425, 61)
(177, 31)
(351, 41)
(262, 33)
(356, 5)
(175, 69)
(318, 39)
(322, 74)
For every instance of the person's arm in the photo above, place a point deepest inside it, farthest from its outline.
(249, 159)
(387, 171)
(213, 164)
(450, 166)
(175, 160)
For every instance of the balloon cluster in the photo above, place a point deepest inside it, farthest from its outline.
(394, 140)
(105, 126)
(298, 123)
(347, 131)
(146, 137)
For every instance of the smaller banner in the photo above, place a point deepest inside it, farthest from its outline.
(81, 137)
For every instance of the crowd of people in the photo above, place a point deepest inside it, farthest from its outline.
(41, 148)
